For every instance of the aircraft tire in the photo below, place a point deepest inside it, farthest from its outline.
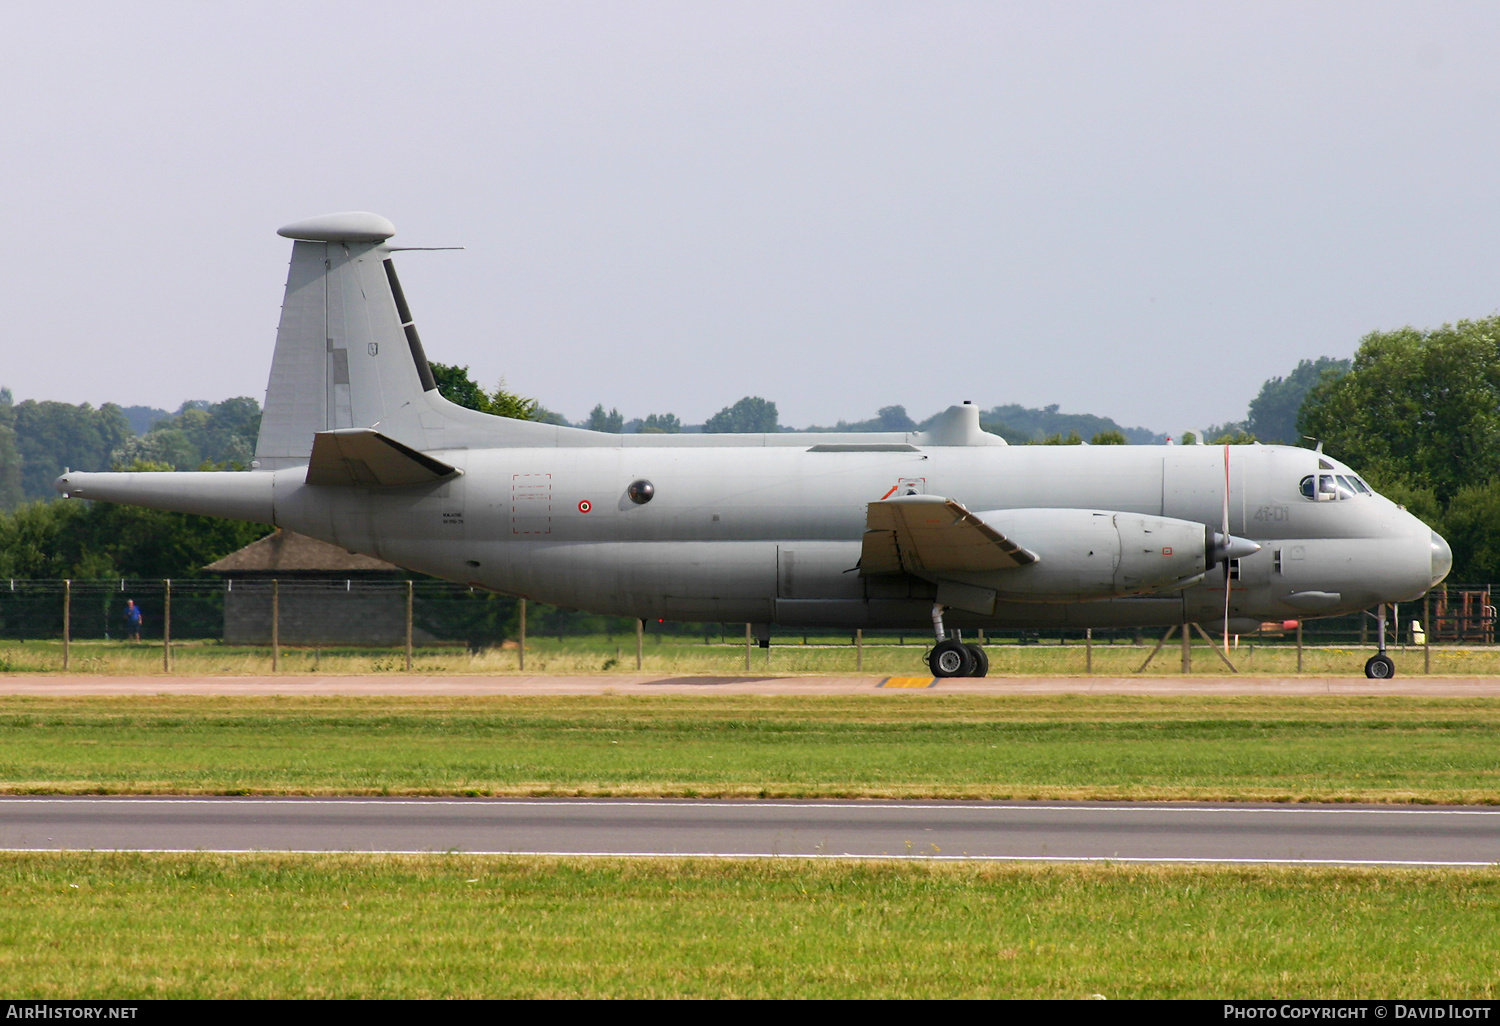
(951, 659)
(1380, 667)
(981, 661)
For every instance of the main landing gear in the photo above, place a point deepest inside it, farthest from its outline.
(951, 657)
(1379, 665)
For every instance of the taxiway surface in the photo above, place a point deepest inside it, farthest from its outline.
(747, 684)
(1039, 831)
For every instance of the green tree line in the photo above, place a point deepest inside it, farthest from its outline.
(95, 540)
(38, 440)
(1418, 414)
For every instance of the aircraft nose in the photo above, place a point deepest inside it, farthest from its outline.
(1442, 558)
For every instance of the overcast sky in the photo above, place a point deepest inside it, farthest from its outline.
(1130, 209)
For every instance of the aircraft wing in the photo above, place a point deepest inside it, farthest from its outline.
(363, 456)
(928, 534)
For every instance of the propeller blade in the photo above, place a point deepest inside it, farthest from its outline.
(1227, 549)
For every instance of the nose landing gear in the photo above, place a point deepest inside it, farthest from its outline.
(1379, 665)
(951, 657)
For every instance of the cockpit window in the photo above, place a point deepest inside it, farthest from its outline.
(1331, 487)
(1359, 483)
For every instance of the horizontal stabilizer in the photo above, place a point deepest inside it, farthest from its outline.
(363, 456)
(928, 534)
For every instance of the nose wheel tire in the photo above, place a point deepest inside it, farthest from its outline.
(1380, 667)
(951, 659)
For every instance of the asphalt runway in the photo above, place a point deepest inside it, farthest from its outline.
(1020, 831)
(746, 684)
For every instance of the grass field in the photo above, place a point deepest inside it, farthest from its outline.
(211, 926)
(123, 926)
(683, 655)
(907, 745)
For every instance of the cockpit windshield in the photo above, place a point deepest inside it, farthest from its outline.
(1333, 487)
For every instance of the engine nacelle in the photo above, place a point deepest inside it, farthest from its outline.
(1094, 554)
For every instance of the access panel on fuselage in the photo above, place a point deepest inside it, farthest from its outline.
(1192, 487)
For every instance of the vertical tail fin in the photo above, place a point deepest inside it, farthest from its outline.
(347, 354)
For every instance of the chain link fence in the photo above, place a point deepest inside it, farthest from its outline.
(373, 613)
(385, 615)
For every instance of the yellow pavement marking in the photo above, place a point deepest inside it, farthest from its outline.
(908, 682)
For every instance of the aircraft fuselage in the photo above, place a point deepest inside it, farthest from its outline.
(774, 534)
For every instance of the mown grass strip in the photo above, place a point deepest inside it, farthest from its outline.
(920, 745)
(339, 926)
(676, 655)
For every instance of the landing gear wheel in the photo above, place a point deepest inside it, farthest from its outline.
(1380, 667)
(951, 659)
(981, 661)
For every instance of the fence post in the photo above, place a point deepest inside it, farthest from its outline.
(859, 650)
(166, 626)
(67, 619)
(1088, 650)
(1187, 650)
(522, 649)
(747, 647)
(408, 626)
(1427, 633)
(275, 626)
(640, 640)
(1299, 643)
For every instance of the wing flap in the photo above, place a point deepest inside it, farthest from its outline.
(364, 456)
(928, 534)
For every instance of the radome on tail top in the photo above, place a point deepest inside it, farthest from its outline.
(948, 527)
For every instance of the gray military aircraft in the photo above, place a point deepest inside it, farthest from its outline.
(948, 526)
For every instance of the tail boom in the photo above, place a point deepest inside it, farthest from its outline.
(212, 494)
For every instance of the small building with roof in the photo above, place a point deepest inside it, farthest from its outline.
(326, 595)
